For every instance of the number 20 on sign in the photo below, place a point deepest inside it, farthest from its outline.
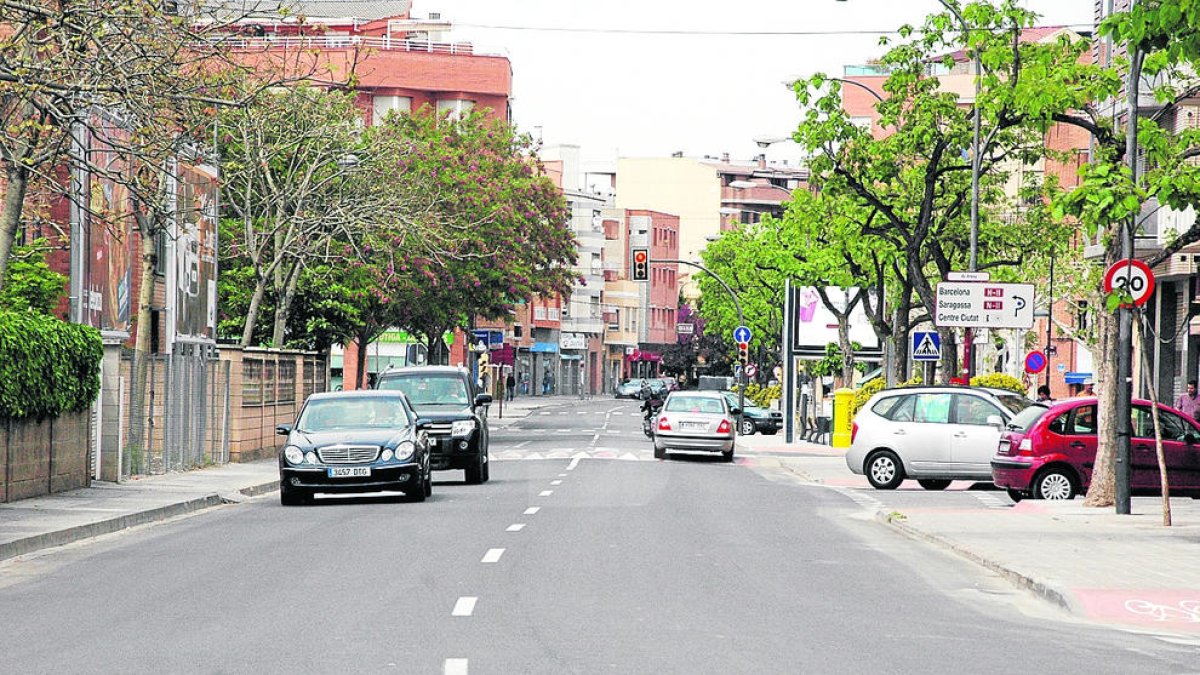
(1130, 276)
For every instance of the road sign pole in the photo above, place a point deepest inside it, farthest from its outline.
(789, 367)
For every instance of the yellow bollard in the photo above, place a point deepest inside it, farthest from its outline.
(843, 400)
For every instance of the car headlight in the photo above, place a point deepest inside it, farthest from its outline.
(462, 428)
(310, 457)
(387, 455)
(293, 455)
(404, 450)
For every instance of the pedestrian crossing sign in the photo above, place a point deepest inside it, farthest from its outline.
(926, 345)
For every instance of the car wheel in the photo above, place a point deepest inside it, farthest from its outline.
(747, 426)
(474, 473)
(933, 484)
(659, 452)
(289, 496)
(884, 470)
(414, 491)
(1054, 483)
(1015, 495)
(727, 456)
(487, 469)
(428, 482)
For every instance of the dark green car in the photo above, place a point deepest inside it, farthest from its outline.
(754, 418)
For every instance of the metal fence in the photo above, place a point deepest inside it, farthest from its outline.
(180, 419)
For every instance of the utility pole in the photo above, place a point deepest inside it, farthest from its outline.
(1123, 468)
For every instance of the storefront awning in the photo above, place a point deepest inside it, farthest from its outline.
(1077, 378)
(545, 348)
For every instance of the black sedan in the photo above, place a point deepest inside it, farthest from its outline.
(354, 441)
(756, 419)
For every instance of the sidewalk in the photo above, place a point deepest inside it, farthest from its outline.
(65, 517)
(522, 406)
(1124, 570)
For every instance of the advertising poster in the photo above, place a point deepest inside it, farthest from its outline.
(109, 215)
(193, 272)
(816, 326)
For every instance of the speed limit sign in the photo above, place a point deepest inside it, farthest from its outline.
(1132, 276)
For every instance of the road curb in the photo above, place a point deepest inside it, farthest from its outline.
(1044, 590)
(261, 488)
(71, 535)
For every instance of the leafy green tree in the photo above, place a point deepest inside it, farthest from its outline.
(741, 258)
(29, 282)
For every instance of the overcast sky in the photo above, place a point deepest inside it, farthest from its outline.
(620, 93)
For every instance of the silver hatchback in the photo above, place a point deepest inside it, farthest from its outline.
(932, 434)
(695, 421)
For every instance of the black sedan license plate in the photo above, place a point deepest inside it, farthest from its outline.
(349, 471)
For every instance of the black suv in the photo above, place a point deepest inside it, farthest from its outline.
(444, 395)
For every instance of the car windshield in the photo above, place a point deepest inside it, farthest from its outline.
(429, 389)
(1015, 403)
(1025, 419)
(732, 399)
(695, 404)
(352, 413)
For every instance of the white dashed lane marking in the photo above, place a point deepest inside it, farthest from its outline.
(556, 482)
(493, 555)
(574, 463)
(532, 510)
(545, 493)
(455, 667)
(515, 527)
(465, 606)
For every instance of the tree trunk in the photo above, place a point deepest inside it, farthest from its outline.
(141, 348)
(284, 307)
(260, 289)
(949, 360)
(847, 350)
(1103, 489)
(360, 364)
(900, 334)
(17, 184)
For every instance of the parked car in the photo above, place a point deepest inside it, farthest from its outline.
(458, 430)
(629, 389)
(354, 441)
(670, 383)
(932, 434)
(756, 418)
(1049, 453)
(695, 421)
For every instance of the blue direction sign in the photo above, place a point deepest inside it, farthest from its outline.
(741, 334)
(926, 345)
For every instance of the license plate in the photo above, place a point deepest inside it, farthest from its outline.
(694, 426)
(349, 471)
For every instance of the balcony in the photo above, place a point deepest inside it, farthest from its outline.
(322, 42)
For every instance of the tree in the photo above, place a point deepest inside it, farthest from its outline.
(30, 284)
(909, 191)
(740, 258)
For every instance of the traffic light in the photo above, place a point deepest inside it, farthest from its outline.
(744, 353)
(641, 264)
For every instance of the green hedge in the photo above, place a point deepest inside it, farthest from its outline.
(47, 366)
(1000, 381)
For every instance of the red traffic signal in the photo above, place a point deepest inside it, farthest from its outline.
(744, 353)
(641, 264)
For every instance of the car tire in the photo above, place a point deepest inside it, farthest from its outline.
(475, 473)
(727, 456)
(772, 432)
(487, 469)
(884, 470)
(414, 491)
(289, 496)
(428, 482)
(746, 426)
(934, 483)
(1055, 483)
(659, 452)
(1016, 495)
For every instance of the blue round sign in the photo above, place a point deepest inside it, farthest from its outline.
(1035, 362)
(741, 334)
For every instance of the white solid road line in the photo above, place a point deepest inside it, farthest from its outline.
(493, 555)
(465, 606)
(545, 493)
(455, 667)
(556, 482)
(515, 527)
(574, 463)
(532, 510)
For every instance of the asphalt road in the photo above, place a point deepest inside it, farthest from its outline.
(568, 564)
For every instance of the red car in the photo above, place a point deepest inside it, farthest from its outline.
(1048, 453)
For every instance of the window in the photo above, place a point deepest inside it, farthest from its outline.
(1083, 420)
(382, 105)
(901, 410)
(1059, 425)
(1173, 428)
(884, 406)
(517, 332)
(455, 107)
(973, 410)
(933, 408)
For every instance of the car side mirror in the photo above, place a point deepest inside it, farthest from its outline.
(483, 399)
(423, 423)
(283, 429)
(995, 421)
(735, 411)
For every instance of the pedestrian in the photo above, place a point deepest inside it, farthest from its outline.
(1089, 387)
(1043, 394)
(510, 383)
(549, 382)
(1186, 403)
